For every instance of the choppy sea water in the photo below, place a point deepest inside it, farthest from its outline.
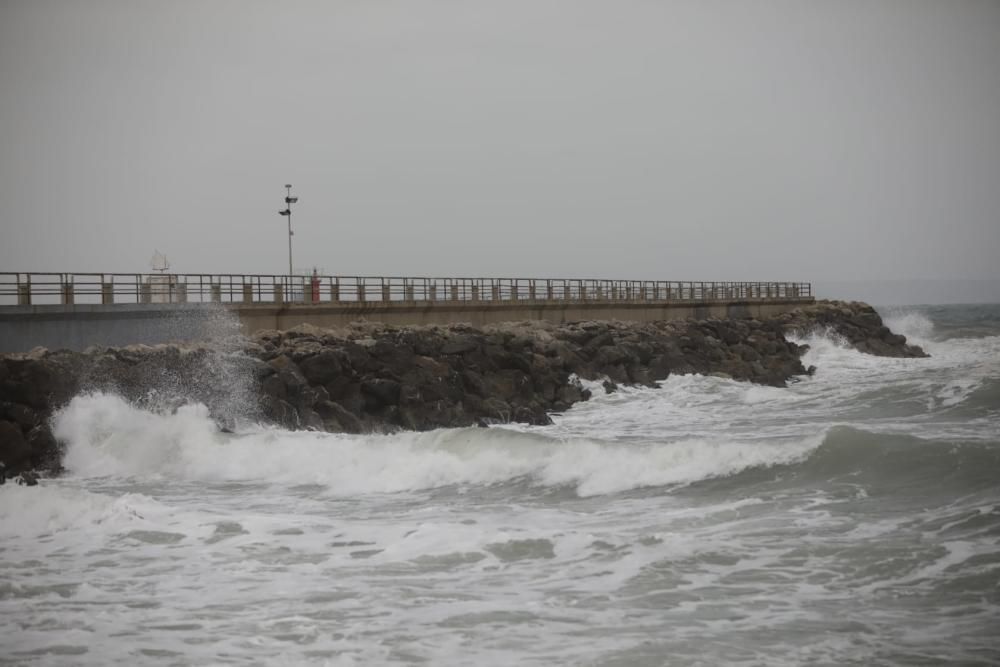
(852, 518)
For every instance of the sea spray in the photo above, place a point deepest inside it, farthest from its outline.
(214, 372)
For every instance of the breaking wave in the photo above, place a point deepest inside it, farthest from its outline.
(107, 437)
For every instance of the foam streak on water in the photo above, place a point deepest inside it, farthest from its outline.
(853, 517)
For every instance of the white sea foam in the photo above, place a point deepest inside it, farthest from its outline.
(51, 508)
(916, 326)
(108, 437)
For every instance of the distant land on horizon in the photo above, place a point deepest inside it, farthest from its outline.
(909, 292)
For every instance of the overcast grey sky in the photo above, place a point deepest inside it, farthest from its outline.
(700, 140)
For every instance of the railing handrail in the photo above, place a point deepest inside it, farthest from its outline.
(374, 277)
(168, 287)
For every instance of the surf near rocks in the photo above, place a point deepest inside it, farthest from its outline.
(373, 377)
(856, 323)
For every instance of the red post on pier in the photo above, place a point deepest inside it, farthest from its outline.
(314, 283)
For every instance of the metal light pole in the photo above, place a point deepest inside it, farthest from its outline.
(289, 200)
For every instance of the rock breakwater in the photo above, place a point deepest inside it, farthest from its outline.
(373, 377)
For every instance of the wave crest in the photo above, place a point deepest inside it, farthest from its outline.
(106, 436)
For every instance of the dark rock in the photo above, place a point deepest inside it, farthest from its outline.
(27, 478)
(338, 419)
(385, 392)
(15, 453)
(857, 323)
(45, 451)
(321, 368)
(22, 415)
(459, 345)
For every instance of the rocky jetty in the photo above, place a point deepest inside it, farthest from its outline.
(373, 377)
(858, 324)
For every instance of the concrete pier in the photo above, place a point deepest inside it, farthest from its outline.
(78, 310)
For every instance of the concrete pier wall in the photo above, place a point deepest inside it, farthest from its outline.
(76, 327)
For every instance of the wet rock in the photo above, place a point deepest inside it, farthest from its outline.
(322, 367)
(26, 478)
(373, 377)
(857, 323)
(15, 453)
(384, 392)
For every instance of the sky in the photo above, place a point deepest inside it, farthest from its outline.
(838, 141)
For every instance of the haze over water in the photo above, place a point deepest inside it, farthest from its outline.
(853, 517)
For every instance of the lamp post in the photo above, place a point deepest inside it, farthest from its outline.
(289, 200)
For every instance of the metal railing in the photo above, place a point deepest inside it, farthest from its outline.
(143, 288)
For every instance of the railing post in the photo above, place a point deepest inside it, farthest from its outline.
(335, 290)
(215, 292)
(549, 294)
(454, 292)
(475, 292)
(513, 290)
(182, 292)
(531, 290)
(361, 292)
(386, 296)
(583, 291)
(432, 291)
(495, 292)
(409, 292)
(279, 293)
(24, 293)
(107, 293)
(68, 297)
(247, 293)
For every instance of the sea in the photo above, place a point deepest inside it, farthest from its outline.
(852, 518)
